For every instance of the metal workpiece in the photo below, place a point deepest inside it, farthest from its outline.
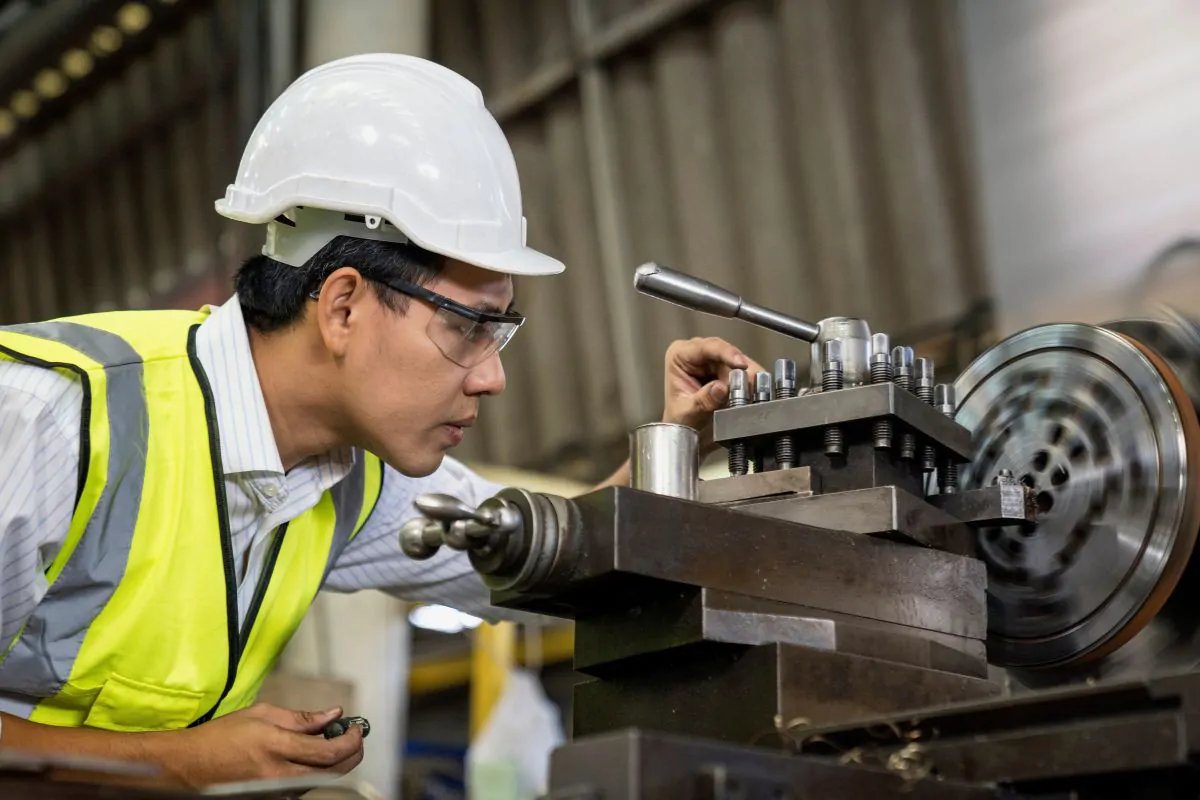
(738, 694)
(785, 389)
(625, 538)
(739, 395)
(882, 511)
(924, 384)
(881, 372)
(696, 294)
(1102, 431)
(861, 404)
(854, 336)
(832, 380)
(944, 404)
(665, 459)
(638, 764)
(764, 392)
(759, 486)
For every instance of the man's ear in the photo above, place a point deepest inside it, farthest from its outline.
(339, 308)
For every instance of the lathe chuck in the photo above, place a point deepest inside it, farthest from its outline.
(1101, 422)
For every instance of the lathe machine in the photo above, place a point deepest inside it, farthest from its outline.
(976, 588)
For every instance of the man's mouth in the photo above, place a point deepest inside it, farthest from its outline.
(454, 429)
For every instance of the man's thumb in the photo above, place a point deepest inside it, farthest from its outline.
(314, 721)
(711, 397)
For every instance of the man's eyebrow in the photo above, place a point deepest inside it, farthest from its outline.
(489, 307)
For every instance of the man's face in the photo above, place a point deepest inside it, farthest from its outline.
(404, 395)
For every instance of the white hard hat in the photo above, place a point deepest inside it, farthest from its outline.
(365, 141)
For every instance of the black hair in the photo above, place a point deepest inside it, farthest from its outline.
(273, 295)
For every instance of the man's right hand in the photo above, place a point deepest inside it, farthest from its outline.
(262, 741)
(259, 742)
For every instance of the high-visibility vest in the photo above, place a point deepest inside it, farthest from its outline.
(139, 629)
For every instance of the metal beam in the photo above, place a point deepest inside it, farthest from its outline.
(598, 45)
(633, 376)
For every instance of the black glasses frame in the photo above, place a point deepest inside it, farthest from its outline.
(441, 301)
(473, 314)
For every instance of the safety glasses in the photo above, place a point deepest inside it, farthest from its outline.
(466, 336)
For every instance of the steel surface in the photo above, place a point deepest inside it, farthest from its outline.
(756, 486)
(739, 694)
(881, 511)
(635, 764)
(625, 536)
(857, 404)
(1001, 504)
(676, 617)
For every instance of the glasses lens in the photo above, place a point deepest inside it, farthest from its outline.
(466, 342)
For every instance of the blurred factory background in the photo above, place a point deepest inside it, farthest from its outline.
(951, 170)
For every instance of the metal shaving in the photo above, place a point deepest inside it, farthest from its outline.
(910, 762)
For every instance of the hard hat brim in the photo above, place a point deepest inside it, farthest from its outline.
(519, 261)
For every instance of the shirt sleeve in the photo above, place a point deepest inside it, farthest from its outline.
(374, 560)
(39, 463)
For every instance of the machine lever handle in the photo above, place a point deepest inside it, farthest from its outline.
(700, 295)
(447, 508)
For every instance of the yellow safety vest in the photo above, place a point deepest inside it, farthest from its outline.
(139, 629)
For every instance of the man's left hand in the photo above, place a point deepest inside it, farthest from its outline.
(697, 382)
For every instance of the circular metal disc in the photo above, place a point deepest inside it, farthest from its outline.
(1101, 428)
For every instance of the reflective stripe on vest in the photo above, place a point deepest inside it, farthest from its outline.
(139, 628)
(87, 578)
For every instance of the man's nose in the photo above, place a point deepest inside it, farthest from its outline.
(487, 377)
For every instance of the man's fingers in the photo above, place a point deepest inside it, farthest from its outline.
(317, 751)
(301, 721)
(710, 351)
(753, 368)
(345, 765)
(711, 397)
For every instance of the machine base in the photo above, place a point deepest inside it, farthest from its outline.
(742, 694)
(634, 764)
(1135, 739)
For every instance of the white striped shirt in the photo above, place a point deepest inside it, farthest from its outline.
(39, 455)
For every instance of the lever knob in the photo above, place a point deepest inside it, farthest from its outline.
(420, 538)
(447, 508)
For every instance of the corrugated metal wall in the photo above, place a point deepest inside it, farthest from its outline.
(810, 154)
(112, 206)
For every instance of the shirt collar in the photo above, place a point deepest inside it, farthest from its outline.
(244, 426)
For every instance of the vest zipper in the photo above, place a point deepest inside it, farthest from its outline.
(260, 591)
(231, 607)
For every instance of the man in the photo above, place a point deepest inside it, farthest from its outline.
(176, 486)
